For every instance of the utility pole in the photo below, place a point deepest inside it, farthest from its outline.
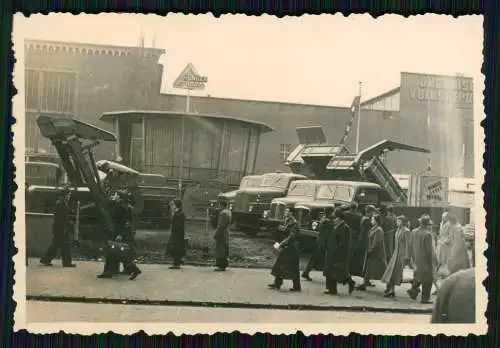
(359, 119)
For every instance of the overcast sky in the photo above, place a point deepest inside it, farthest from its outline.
(311, 59)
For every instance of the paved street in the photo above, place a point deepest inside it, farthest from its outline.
(40, 311)
(200, 286)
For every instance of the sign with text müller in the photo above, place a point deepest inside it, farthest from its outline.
(190, 79)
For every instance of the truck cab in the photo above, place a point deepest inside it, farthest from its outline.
(300, 191)
(43, 173)
(249, 204)
(247, 182)
(334, 193)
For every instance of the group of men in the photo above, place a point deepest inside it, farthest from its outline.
(377, 245)
(118, 242)
(333, 252)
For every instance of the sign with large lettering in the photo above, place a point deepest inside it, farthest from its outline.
(428, 190)
(190, 79)
(453, 91)
(433, 190)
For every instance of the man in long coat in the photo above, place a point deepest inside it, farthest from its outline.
(287, 265)
(318, 257)
(122, 216)
(361, 243)
(459, 255)
(443, 241)
(352, 217)
(60, 232)
(221, 237)
(423, 260)
(456, 301)
(389, 227)
(336, 268)
(176, 245)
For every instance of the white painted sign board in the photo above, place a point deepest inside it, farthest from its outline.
(190, 79)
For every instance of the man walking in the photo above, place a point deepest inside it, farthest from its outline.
(287, 264)
(119, 247)
(336, 269)
(222, 238)
(318, 257)
(60, 231)
(389, 226)
(175, 246)
(361, 243)
(423, 259)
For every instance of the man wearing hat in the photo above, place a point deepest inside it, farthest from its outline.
(60, 231)
(175, 246)
(423, 259)
(221, 237)
(389, 226)
(361, 243)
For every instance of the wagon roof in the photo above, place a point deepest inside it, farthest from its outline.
(109, 117)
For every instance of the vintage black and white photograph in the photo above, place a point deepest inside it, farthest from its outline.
(197, 174)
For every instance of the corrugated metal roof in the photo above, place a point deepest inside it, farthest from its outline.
(108, 117)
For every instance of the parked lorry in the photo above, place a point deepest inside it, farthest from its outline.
(300, 191)
(426, 192)
(335, 193)
(247, 182)
(249, 203)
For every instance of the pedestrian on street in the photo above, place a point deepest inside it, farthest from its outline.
(119, 251)
(361, 243)
(176, 245)
(389, 227)
(456, 301)
(400, 257)
(352, 218)
(287, 264)
(443, 244)
(318, 256)
(222, 238)
(459, 256)
(336, 268)
(119, 248)
(375, 260)
(423, 260)
(60, 232)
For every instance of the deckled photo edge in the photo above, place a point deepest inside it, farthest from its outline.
(153, 328)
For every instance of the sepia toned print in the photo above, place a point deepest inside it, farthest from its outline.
(228, 177)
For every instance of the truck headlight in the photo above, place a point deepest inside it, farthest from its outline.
(211, 204)
(231, 206)
(250, 208)
(265, 214)
(314, 225)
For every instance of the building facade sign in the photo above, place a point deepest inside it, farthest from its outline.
(190, 79)
(452, 90)
(439, 109)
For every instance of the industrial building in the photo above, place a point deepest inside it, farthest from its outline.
(86, 81)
